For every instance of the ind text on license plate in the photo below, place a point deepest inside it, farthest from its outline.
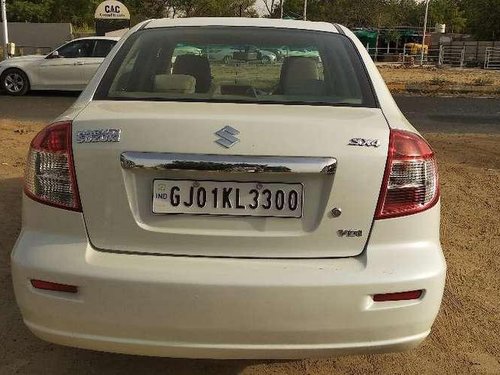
(227, 198)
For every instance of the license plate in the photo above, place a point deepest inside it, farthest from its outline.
(227, 198)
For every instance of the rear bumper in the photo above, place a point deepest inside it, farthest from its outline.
(222, 351)
(224, 308)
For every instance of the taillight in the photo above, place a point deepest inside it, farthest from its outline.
(410, 181)
(50, 174)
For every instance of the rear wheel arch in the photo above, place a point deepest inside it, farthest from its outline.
(11, 72)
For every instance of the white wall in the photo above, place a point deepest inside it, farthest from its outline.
(38, 34)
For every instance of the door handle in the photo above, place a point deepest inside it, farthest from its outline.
(79, 63)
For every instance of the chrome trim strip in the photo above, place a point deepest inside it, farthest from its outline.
(227, 163)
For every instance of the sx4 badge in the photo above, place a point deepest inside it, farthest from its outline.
(364, 142)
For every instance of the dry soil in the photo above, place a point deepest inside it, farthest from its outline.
(439, 76)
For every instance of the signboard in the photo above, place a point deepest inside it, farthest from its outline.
(111, 10)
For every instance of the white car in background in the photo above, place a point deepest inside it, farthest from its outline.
(185, 50)
(69, 67)
(226, 54)
(267, 57)
(189, 210)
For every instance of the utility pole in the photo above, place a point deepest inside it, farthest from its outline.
(281, 8)
(425, 31)
(3, 5)
(305, 10)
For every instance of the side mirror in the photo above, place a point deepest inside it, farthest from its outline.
(54, 55)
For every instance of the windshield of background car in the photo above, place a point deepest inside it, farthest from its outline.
(237, 64)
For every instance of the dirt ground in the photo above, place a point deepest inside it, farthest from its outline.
(465, 338)
(474, 77)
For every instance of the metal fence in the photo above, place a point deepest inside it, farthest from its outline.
(461, 55)
(473, 51)
(445, 55)
(404, 56)
(492, 58)
(452, 56)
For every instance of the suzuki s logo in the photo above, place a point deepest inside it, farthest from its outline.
(227, 136)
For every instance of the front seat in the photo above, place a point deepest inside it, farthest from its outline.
(300, 76)
(197, 67)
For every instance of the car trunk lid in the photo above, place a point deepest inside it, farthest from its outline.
(306, 149)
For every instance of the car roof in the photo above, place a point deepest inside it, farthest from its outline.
(115, 38)
(241, 21)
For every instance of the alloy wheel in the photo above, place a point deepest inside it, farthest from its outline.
(14, 82)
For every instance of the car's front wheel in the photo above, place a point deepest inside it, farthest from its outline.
(15, 82)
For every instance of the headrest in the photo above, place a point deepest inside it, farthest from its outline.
(300, 76)
(299, 67)
(196, 66)
(175, 83)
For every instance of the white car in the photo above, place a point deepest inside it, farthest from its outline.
(226, 54)
(267, 57)
(233, 212)
(69, 67)
(185, 50)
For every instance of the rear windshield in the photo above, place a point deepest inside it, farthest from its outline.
(237, 64)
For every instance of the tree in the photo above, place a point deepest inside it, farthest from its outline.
(81, 12)
(29, 11)
(479, 17)
(78, 12)
(483, 18)
(361, 13)
(190, 8)
(216, 8)
(404, 13)
(449, 13)
(141, 10)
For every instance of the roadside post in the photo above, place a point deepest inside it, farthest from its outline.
(425, 31)
(5, 43)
